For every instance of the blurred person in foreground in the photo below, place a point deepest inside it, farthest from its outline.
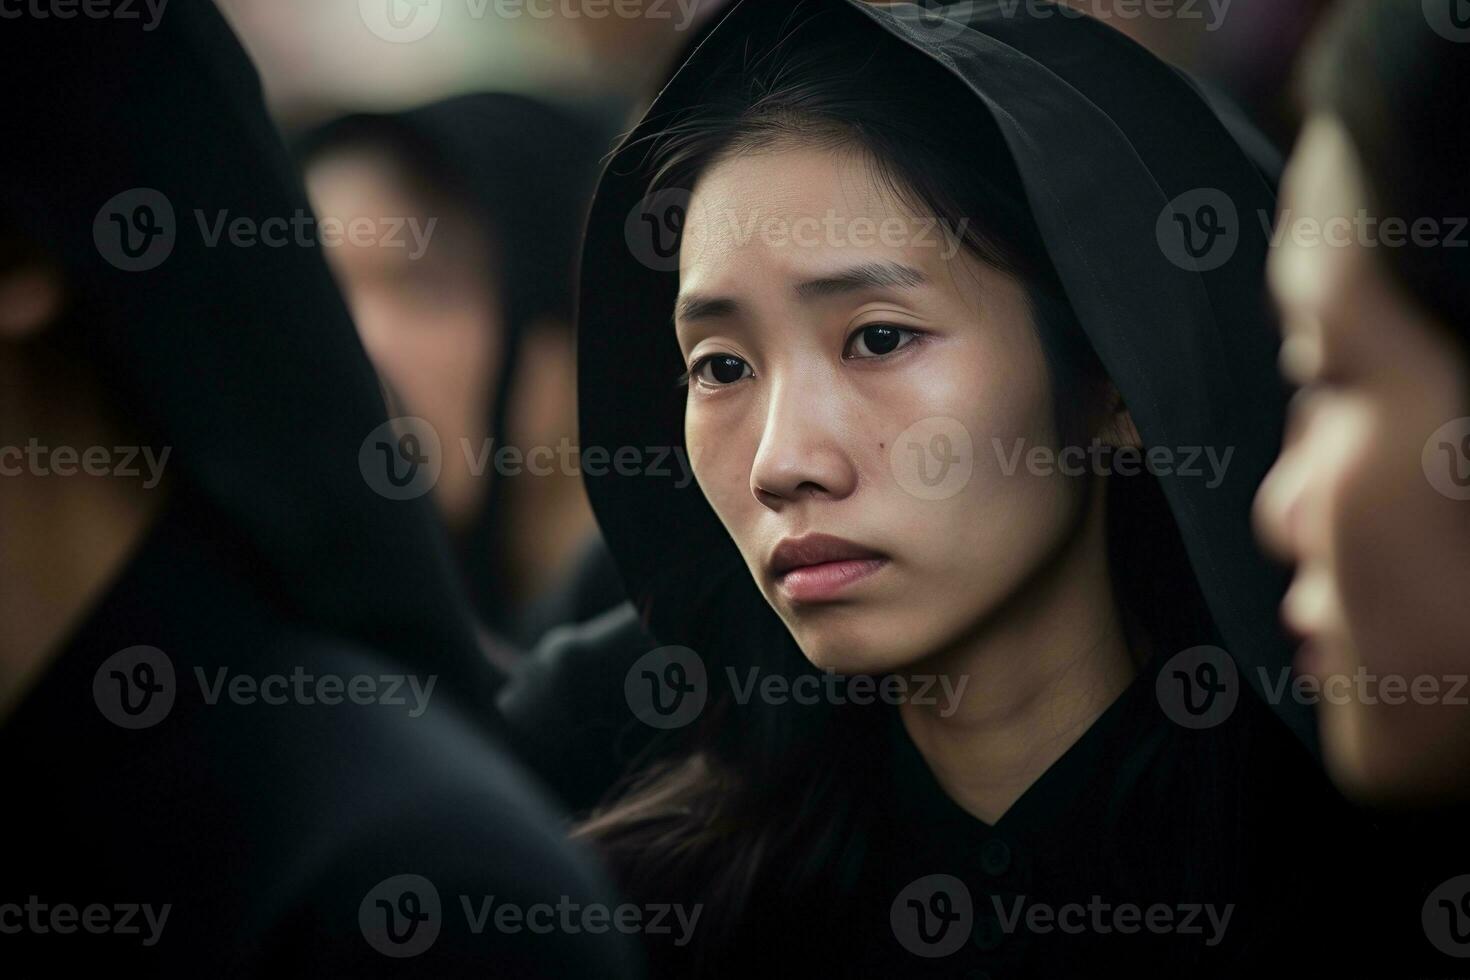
(1370, 498)
(468, 321)
(246, 726)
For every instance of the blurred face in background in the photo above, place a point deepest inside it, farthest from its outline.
(1369, 496)
(427, 309)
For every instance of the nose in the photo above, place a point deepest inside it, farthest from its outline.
(802, 452)
(1278, 505)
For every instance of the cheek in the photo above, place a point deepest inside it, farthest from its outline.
(1397, 545)
(722, 447)
(975, 528)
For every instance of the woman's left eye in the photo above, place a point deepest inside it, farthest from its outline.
(877, 340)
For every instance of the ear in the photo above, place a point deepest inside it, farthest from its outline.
(1117, 429)
(30, 300)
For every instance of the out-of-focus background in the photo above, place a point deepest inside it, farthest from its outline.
(327, 55)
(471, 328)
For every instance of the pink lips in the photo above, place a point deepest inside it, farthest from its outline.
(818, 567)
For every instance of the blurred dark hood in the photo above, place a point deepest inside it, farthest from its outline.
(242, 360)
(524, 171)
(1113, 145)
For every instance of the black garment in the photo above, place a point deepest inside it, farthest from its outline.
(564, 708)
(266, 823)
(1140, 813)
(1141, 820)
(269, 828)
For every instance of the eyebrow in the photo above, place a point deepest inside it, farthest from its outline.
(869, 275)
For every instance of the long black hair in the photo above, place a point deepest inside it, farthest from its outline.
(763, 806)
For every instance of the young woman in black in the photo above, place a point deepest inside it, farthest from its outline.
(912, 293)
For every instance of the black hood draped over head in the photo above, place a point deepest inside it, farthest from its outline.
(240, 358)
(278, 822)
(523, 170)
(1153, 215)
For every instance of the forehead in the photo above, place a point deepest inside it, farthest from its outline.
(798, 208)
(1312, 266)
(798, 180)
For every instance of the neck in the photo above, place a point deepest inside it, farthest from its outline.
(63, 539)
(1036, 677)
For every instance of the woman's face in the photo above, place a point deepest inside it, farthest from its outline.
(1365, 499)
(868, 385)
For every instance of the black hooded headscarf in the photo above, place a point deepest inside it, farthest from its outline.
(251, 372)
(281, 830)
(1155, 219)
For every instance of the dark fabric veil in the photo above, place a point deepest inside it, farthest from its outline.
(1156, 219)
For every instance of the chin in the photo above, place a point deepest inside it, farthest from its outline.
(1376, 762)
(847, 640)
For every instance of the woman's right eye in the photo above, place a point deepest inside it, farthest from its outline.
(721, 369)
